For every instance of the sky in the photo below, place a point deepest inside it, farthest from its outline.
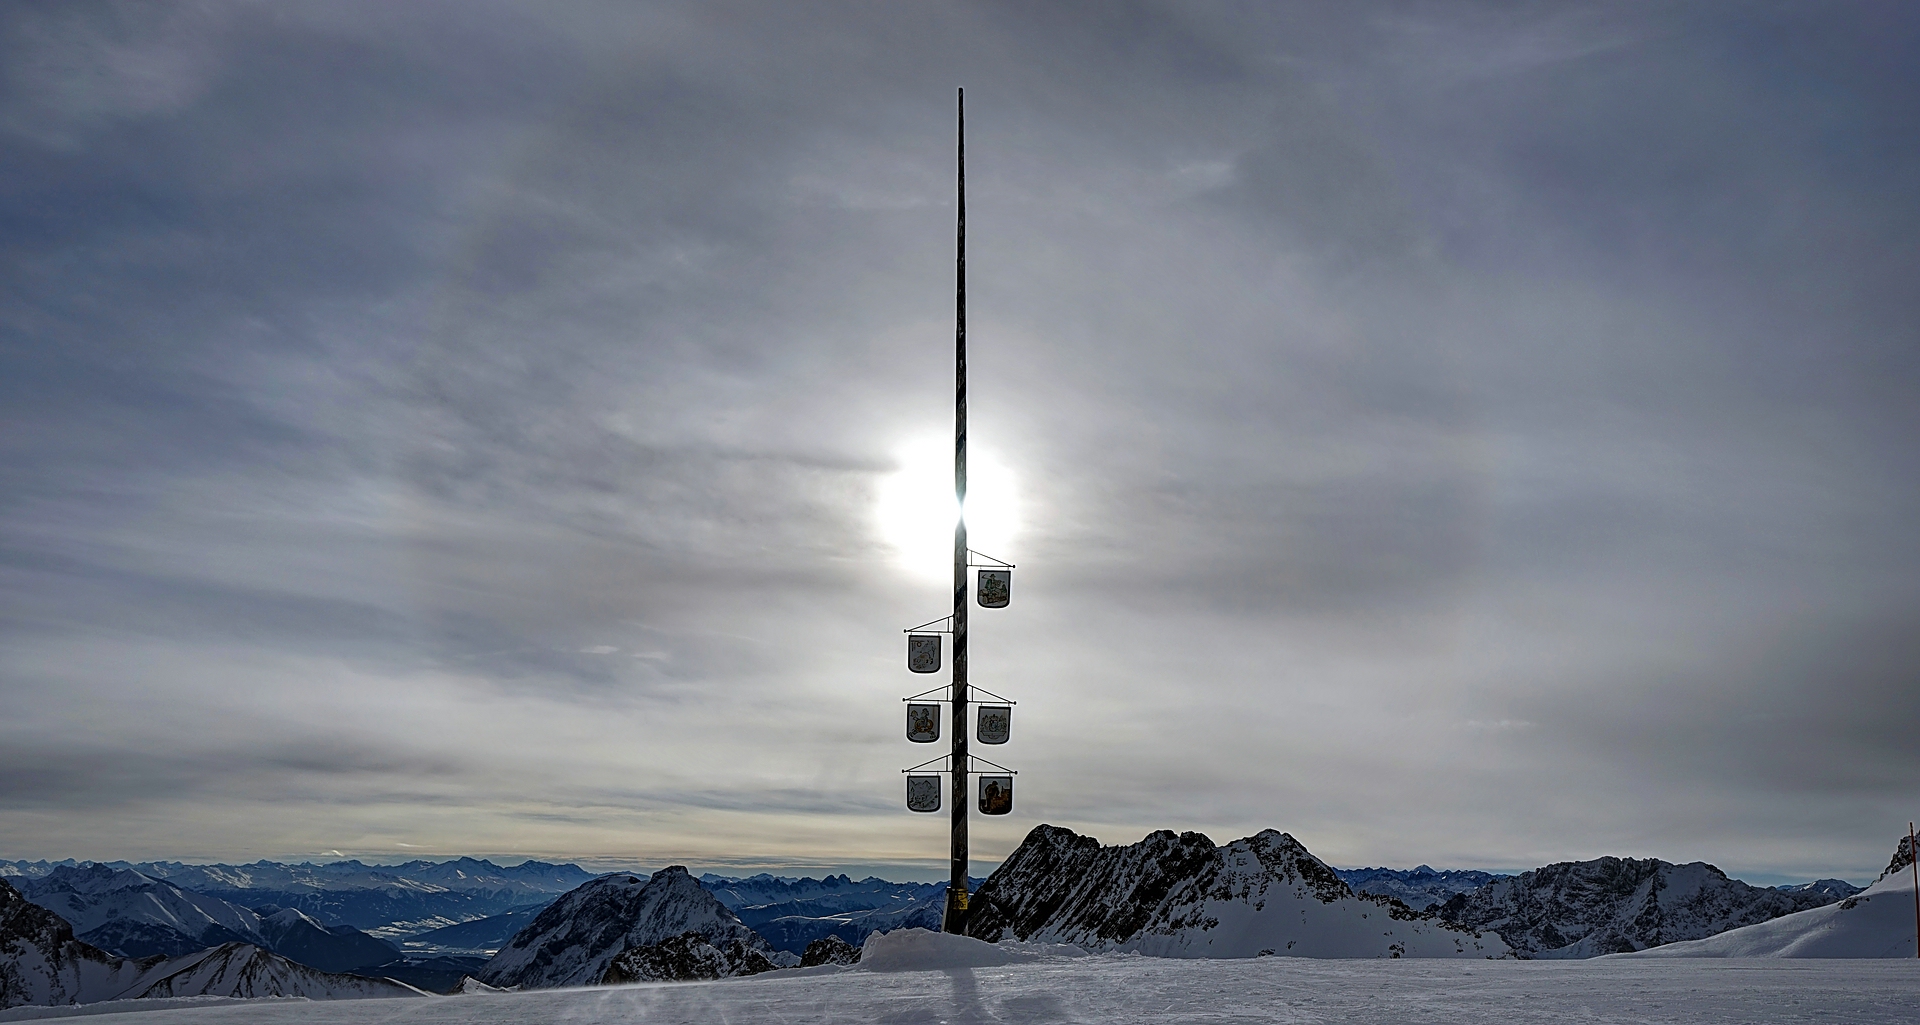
(1472, 434)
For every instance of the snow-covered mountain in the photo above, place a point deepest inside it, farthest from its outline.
(244, 970)
(41, 963)
(14, 871)
(1182, 896)
(574, 940)
(1838, 889)
(1420, 888)
(462, 875)
(1879, 921)
(123, 911)
(1609, 905)
(388, 901)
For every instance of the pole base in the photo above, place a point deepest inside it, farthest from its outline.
(954, 920)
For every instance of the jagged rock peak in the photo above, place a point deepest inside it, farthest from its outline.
(829, 950)
(1902, 857)
(1180, 895)
(575, 939)
(687, 957)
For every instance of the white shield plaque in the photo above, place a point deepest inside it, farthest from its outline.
(996, 795)
(923, 793)
(923, 653)
(993, 723)
(923, 723)
(994, 587)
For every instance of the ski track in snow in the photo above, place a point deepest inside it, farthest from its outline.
(1121, 988)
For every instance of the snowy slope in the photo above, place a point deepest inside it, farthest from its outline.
(42, 964)
(1880, 921)
(1181, 896)
(123, 911)
(573, 941)
(1611, 905)
(1125, 990)
(387, 901)
(244, 970)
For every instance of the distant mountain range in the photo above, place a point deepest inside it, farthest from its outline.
(387, 901)
(794, 913)
(1418, 888)
(42, 963)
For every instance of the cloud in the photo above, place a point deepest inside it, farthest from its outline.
(1482, 434)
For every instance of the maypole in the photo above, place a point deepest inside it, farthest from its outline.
(993, 720)
(956, 913)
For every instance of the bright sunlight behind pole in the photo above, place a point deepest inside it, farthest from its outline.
(915, 506)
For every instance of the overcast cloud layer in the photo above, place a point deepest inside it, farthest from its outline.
(1480, 435)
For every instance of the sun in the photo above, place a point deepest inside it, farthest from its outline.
(915, 508)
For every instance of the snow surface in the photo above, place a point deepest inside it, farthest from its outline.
(1879, 922)
(1122, 988)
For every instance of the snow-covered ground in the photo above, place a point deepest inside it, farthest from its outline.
(1129, 988)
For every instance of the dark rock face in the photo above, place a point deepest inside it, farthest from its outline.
(830, 950)
(41, 963)
(687, 957)
(1179, 895)
(1902, 857)
(1612, 905)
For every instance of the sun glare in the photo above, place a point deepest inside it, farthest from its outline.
(915, 510)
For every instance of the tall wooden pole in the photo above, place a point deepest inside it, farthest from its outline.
(1915, 852)
(955, 919)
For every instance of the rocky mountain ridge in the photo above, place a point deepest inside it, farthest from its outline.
(1578, 909)
(1182, 896)
(576, 939)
